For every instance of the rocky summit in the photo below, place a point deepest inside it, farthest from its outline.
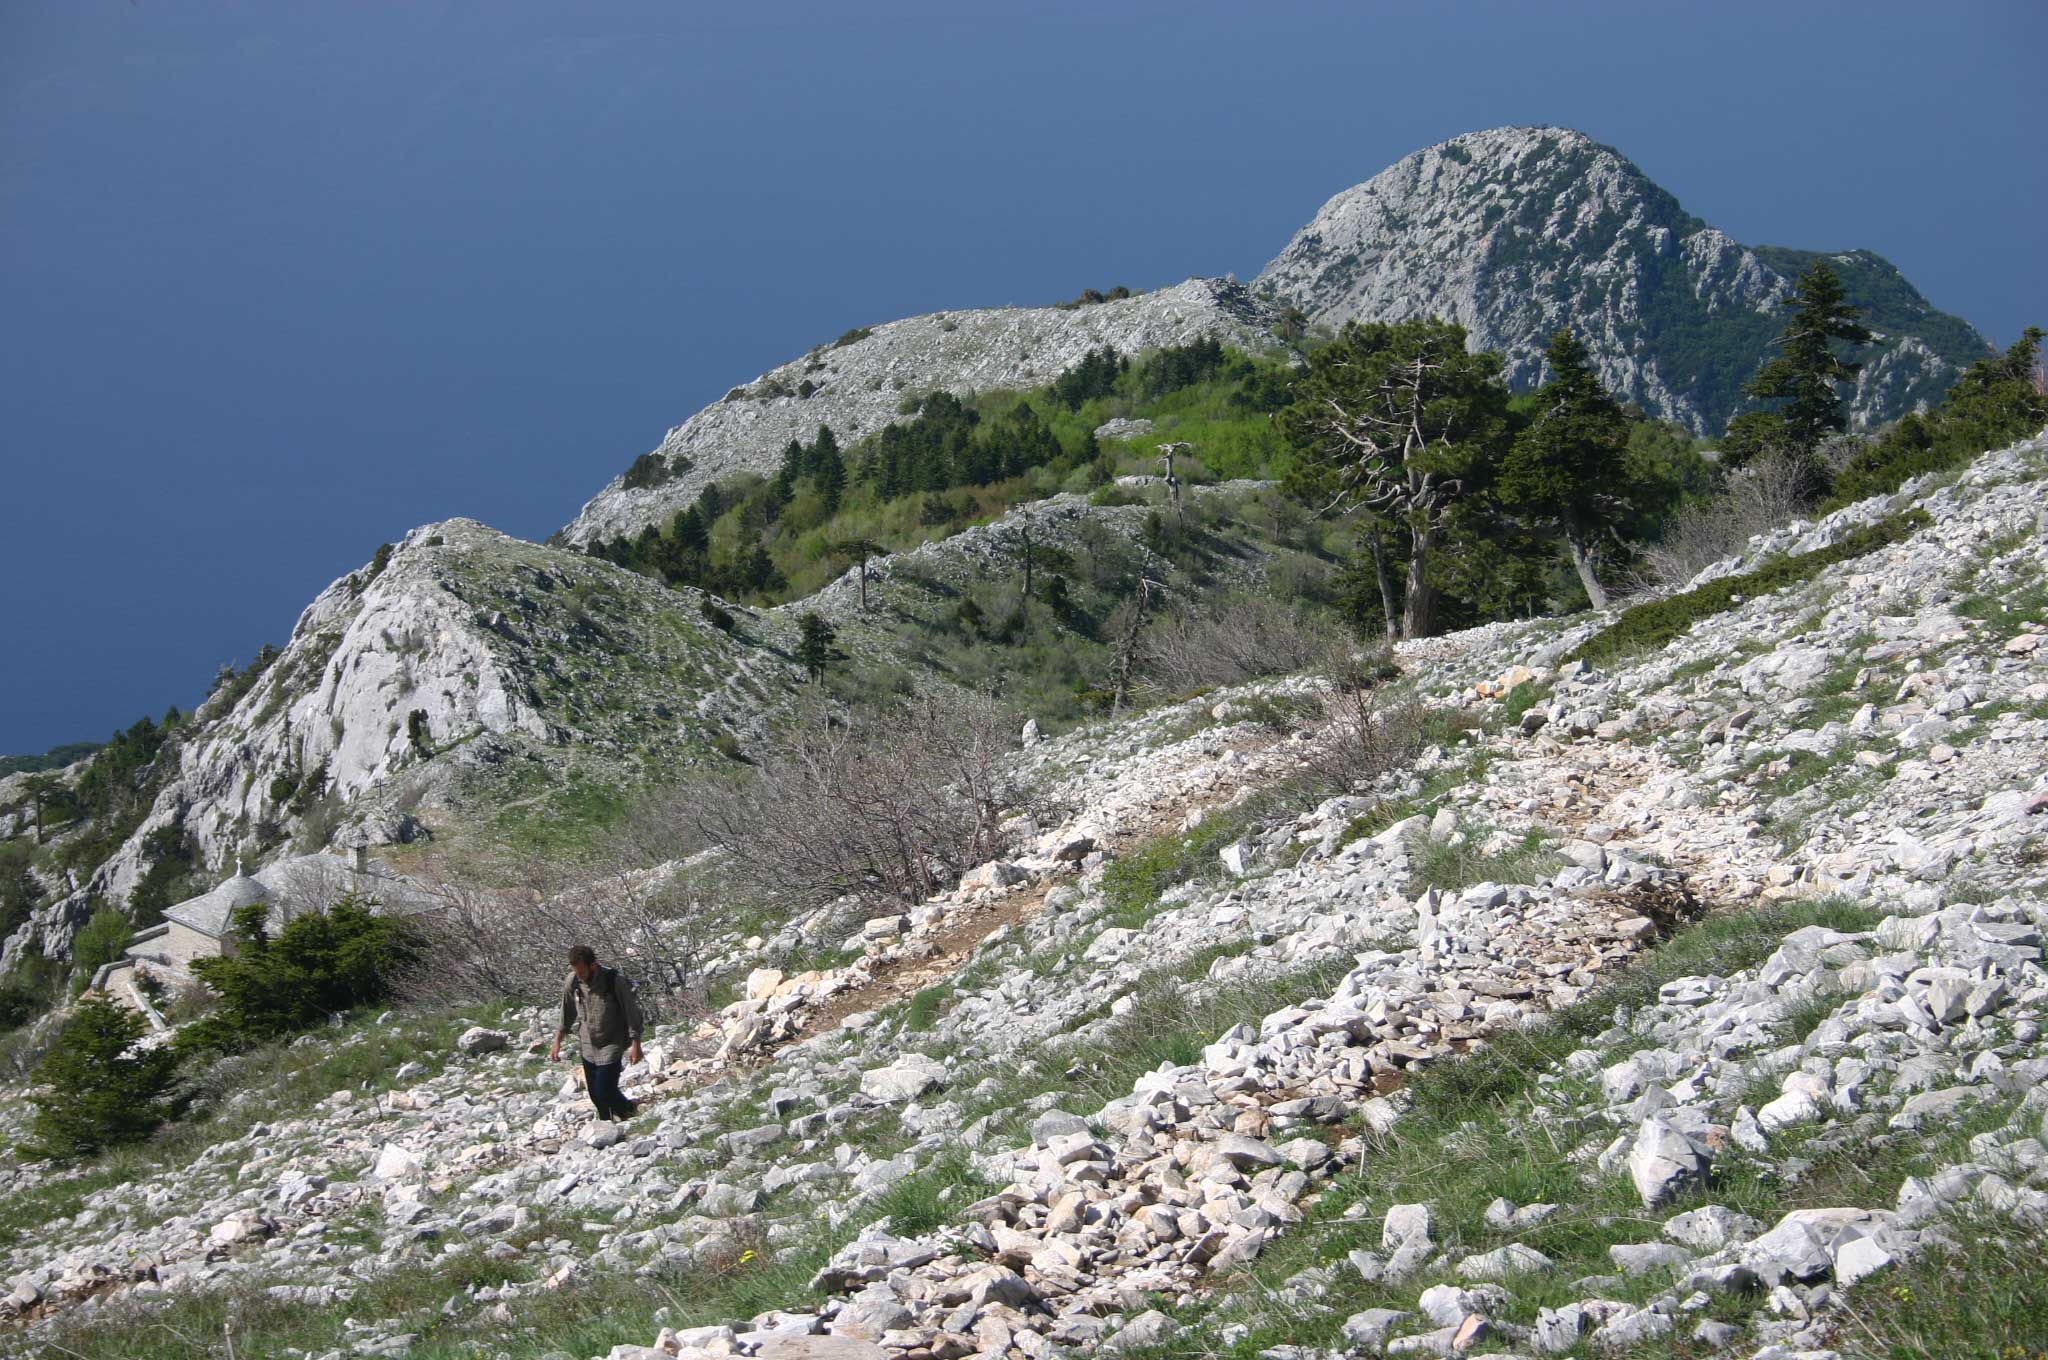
(1686, 1001)
(1515, 232)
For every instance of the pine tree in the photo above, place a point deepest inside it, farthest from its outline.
(1803, 376)
(96, 1088)
(1396, 422)
(1569, 469)
(814, 650)
(828, 472)
(690, 531)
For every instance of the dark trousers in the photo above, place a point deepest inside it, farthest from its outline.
(602, 1081)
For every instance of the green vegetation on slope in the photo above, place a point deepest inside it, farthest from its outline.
(1652, 624)
(953, 463)
(56, 758)
(1999, 400)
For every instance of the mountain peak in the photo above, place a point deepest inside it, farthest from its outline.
(1513, 232)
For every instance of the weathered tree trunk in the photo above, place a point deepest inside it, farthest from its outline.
(1582, 562)
(1418, 617)
(1389, 606)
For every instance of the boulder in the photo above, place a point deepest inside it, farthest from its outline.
(477, 1040)
(1664, 1162)
(904, 1080)
(395, 1163)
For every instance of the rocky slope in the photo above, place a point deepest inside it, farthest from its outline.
(1117, 1118)
(1515, 232)
(536, 671)
(525, 665)
(859, 383)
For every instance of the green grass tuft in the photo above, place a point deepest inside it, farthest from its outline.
(1651, 625)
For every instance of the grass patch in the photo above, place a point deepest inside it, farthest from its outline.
(2010, 614)
(1653, 624)
(54, 1199)
(923, 1010)
(1134, 881)
(236, 1093)
(1172, 1022)
(1453, 865)
(1424, 800)
(597, 1311)
(1522, 698)
(1983, 1298)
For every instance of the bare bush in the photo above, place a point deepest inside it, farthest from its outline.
(491, 942)
(886, 807)
(1230, 641)
(1371, 726)
(1769, 493)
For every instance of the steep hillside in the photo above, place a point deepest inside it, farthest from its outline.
(1690, 1003)
(551, 685)
(463, 674)
(859, 383)
(1515, 232)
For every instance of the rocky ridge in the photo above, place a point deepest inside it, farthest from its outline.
(531, 666)
(521, 662)
(860, 383)
(1515, 232)
(1876, 736)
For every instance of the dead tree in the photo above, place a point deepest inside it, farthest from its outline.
(1129, 644)
(1166, 453)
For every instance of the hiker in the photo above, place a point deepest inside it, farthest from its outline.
(600, 1003)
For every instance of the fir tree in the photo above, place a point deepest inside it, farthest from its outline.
(1568, 470)
(96, 1088)
(689, 530)
(828, 471)
(814, 651)
(320, 964)
(1802, 378)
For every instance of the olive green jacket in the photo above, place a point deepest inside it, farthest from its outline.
(604, 1014)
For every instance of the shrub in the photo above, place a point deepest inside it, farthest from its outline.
(648, 470)
(1653, 624)
(1230, 641)
(28, 990)
(1372, 728)
(101, 940)
(888, 807)
(319, 964)
(97, 1088)
(1770, 492)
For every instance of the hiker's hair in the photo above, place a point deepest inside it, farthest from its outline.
(582, 953)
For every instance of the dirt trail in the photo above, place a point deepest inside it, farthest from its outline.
(969, 924)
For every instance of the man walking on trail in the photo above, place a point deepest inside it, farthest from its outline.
(599, 1003)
